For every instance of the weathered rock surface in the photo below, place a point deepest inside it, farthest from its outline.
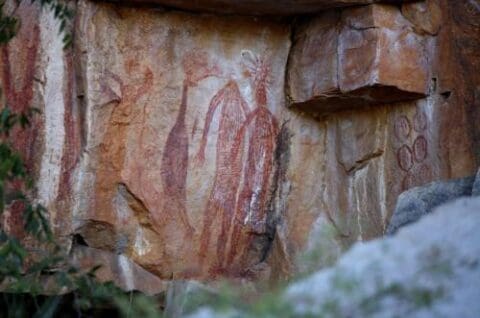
(119, 269)
(165, 135)
(476, 185)
(257, 7)
(371, 55)
(417, 202)
(428, 269)
(181, 161)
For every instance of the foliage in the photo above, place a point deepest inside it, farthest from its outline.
(9, 24)
(36, 277)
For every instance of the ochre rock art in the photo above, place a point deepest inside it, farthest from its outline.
(173, 219)
(18, 69)
(412, 157)
(242, 213)
(181, 151)
(232, 110)
(259, 131)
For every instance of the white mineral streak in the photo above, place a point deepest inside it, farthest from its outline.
(83, 178)
(52, 48)
(142, 246)
(124, 212)
(126, 271)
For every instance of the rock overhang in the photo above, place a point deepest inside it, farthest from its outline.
(256, 7)
(360, 56)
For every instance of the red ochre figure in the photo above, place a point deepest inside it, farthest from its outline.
(174, 166)
(411, 159)
(259, 129)
(18, 96)
(221, 202)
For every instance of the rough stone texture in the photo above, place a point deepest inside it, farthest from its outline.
(476, 185)
(118, 269)
(417, 202)
(256, 7)
(229, 182)
(374, 154)
(371, 55)
(428, 269)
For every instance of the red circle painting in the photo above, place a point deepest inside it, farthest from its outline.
(420, 122)
(402, 128)
(420, 150)
(405, 158)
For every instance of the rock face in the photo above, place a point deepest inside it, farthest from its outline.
(118, 269)
(417, 202)
(167, 137)
(181, 151)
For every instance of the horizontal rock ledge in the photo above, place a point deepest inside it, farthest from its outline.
(256, 7)
(357, 99)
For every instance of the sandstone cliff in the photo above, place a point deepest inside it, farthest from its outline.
(205, 145)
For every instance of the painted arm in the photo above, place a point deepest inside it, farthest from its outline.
(30, 67)
(214, 103)
(115, 77)
(145, 87)
(274, 127)
(7, 75)
(238, 141)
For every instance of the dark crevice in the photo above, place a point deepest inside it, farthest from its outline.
(361, 163)
(433, 85)
(286, 83)
(137, 206)
(446, 95)
(78, 240)
(276, 205)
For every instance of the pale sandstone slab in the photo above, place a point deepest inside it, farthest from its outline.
(357, 57)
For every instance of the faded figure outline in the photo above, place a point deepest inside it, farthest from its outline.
(112, 155)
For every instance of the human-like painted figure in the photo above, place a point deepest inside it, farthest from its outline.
(221, 202)
(259, 130)
(197, 67)
(17, 90)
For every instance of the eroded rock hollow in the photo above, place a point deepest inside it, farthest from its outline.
(197, 141)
